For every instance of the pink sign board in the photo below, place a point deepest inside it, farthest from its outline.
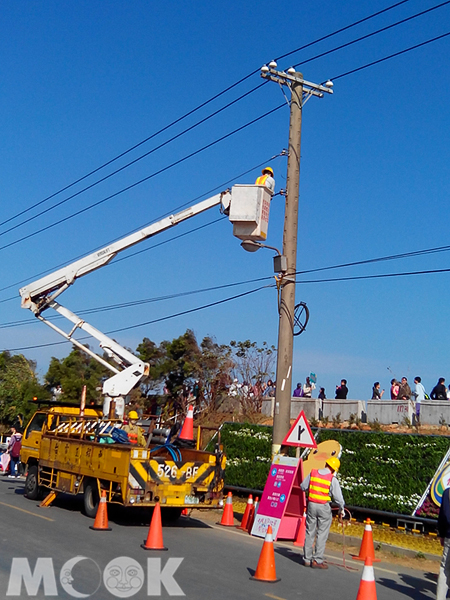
(276, 495)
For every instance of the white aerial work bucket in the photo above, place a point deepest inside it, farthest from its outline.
(249, 211)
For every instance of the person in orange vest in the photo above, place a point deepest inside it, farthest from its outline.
(322, 485)
(266, 179)
(135, 433)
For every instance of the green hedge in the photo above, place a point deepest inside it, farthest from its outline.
(382, 471)
(248, 451)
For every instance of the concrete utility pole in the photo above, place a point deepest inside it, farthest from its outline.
(301, 91)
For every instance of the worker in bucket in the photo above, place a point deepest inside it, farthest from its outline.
(321, 485)
(135, 433)
(266, 179)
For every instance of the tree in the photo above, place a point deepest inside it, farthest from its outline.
(18, 386)
(154, 355)
(73, 372)
(215, 365)
(188, 371)
(253, 364)
(180, 363)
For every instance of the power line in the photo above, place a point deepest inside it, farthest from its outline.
(197, 108)
(381, 276)
(202, 121)
(376, 62)
(165, 128)
(133, 185)
(166, 318)
(435, 250)
(61, 202)
(211, 304)
(133, 303)
(365, 37)
(325, 37)
(174, 210)
(402, 255)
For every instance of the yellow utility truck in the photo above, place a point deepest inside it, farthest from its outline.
(72, 451)
(67, 451)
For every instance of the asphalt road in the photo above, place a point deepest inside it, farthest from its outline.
(216, 562)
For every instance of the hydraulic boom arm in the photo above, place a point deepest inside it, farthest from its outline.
(41, 294)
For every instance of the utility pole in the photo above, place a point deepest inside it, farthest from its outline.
(301, 91)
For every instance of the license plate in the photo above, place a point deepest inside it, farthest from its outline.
(191, 500)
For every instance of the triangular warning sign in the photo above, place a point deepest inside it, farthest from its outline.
(300, 434)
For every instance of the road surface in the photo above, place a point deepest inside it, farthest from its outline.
(203, 561)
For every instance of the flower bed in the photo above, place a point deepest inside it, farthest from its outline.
(382, 471)
(248, 451)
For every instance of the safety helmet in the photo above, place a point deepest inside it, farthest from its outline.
(267, 170)
(133, 415)
(334, 463)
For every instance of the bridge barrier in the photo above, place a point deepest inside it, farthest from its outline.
(390, 411)
(332, 408)
(315, 408)
(386, 412)
(435, 412)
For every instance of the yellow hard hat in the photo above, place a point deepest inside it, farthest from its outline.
(269, 169)
(334, 463)
(133, 415)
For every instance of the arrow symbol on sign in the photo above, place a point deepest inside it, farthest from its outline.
(300, 431)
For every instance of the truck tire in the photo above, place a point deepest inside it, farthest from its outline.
(91, 498)
(32, 489)
(170, 514)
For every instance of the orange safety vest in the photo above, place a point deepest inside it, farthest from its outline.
(319, 487)
(133, 437)
(261, 180)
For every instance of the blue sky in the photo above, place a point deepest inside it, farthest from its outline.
(83, 82)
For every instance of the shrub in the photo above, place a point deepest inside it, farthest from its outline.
(383, 471)
(337, 420)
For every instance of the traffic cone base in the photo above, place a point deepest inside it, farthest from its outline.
(101, 518)
(154, 539)
(227, 516)
(367, 589)
(265, 571)
(367, 548)
(187, 431)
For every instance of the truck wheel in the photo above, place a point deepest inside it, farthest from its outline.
(91, 499)
(32, 488)
(171, 514)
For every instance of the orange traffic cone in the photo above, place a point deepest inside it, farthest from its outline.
(367, 589)
(187, 431)
(300, 540)
(154, 539)
(367, 549)
(251, 518)
(246, 515)
(227, 516)
(265, 571)
(101, 518)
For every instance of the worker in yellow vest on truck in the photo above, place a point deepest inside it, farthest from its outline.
(266, 179)
(135, 433)
(322, 485)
